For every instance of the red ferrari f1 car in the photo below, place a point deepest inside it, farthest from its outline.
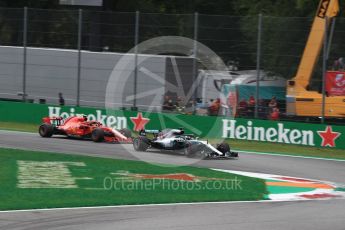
(80, 127)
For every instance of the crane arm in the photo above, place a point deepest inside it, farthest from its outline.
(329, 9)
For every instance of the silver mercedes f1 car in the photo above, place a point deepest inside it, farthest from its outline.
(177, 140)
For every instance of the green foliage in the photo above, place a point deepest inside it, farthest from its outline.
(280, 8)
(285, 28)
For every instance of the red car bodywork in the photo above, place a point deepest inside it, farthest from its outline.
(79, 127)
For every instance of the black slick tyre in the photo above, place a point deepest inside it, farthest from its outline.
(46, 130)
(140, 144)
(223, 147)
(97, 135)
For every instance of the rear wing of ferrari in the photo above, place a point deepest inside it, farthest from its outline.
(52, 120)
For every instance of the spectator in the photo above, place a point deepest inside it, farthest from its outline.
(251, 101)
(341, 63)
(201, 108)
(262, 109)
(338, 64)
(61, 100)
(335, 65)
(243, 107)
(179, 105)
(199, 102)
(214, 107)
(210, 103)
(190, 107)
(272, 104)
(168, 104)
(274, 114)
(251, 106)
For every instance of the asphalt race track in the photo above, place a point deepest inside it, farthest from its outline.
(327, 214)
(288, 166)
(245, 216)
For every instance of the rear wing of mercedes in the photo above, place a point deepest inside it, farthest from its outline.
(143, 132)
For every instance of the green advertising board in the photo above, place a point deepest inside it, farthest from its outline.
(317, 135)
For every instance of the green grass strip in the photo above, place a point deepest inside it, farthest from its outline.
(15, 126)
(214, 185)
(286, 149)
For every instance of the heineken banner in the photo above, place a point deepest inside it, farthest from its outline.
(316, 135)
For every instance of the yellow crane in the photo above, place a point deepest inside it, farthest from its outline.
(299, 100)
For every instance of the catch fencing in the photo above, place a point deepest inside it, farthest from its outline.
(44, 52)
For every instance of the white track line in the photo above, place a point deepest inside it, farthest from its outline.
(4, 131)
(153, 205)
(288, 155)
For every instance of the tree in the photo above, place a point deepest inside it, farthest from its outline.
(284, 32)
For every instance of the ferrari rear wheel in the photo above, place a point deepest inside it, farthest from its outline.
(140, 144)
(46, 130)
(97, 135)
